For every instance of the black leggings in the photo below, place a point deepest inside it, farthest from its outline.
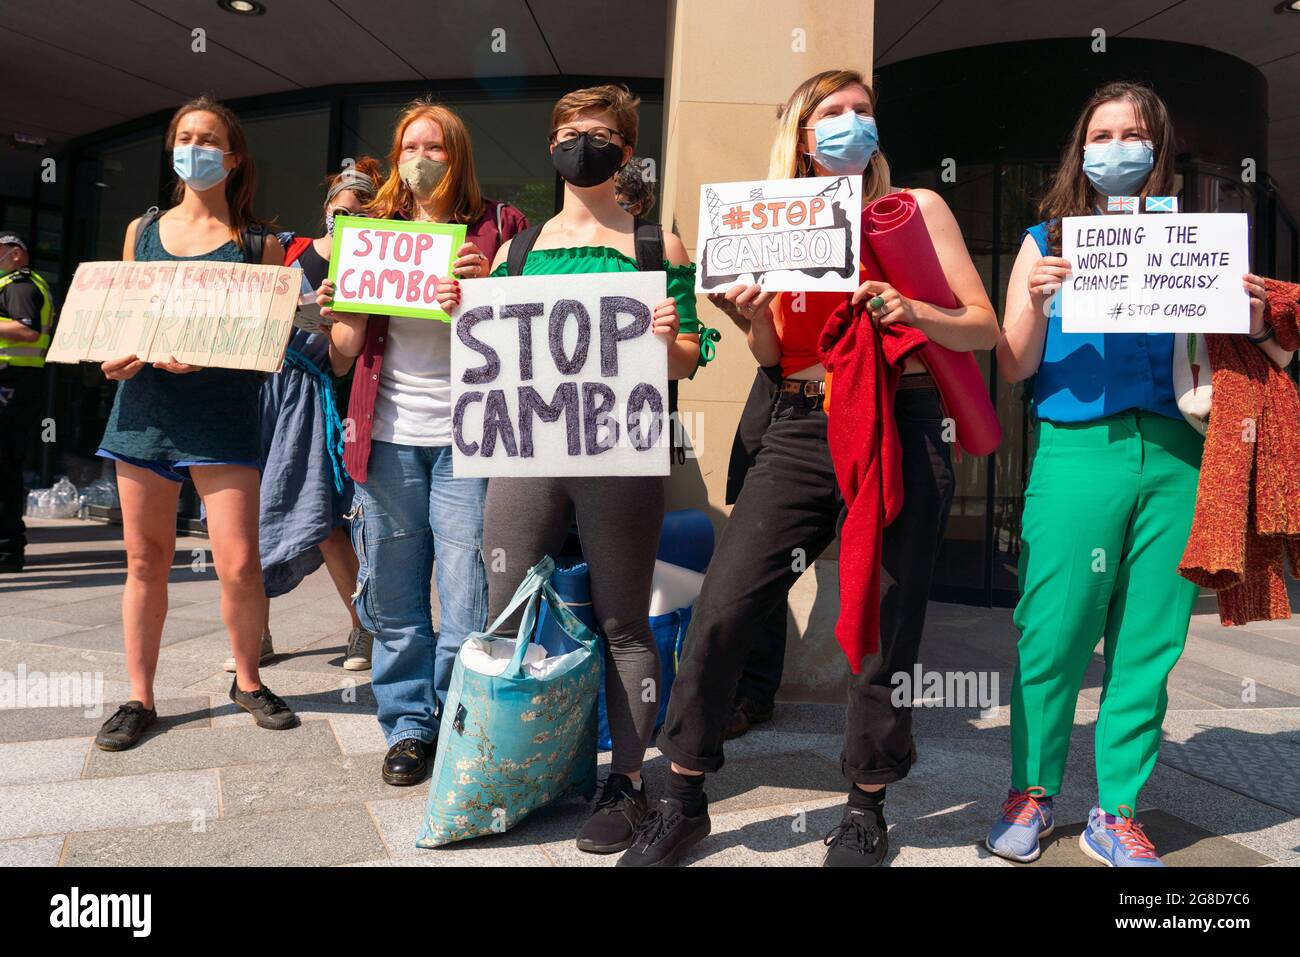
(619, 520)
(788, 512)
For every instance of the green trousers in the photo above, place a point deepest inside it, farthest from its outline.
(1107, 513)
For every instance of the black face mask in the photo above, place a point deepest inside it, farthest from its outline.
(582, 164)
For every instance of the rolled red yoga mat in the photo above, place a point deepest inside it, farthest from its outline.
(894, 232)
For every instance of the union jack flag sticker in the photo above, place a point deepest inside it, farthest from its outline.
(1121, 204)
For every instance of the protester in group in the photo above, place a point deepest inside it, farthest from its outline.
(26, 314)
(790, 504)
(593, 135)
(633, 187)
(305, 487)
(171, 420)
(412, 518)
(1108, 506)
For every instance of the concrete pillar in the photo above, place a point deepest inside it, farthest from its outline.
(731, 63)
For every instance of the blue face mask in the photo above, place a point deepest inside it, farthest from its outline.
(199, 167)
(1118, 168)
(846, 143)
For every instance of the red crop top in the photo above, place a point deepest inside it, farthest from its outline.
(800, 330)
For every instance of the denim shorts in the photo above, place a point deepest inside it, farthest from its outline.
(176, 471)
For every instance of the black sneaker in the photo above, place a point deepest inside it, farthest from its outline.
(613, 822)
(125, 727)
(407, 762)
(267, 708)
(857, 841)
(665, 834)
(357, 658)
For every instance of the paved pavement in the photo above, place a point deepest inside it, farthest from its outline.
(208, 787)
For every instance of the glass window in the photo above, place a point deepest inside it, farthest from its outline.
(116, 183)
(291, 151)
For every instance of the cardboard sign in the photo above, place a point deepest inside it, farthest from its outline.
(391, 267)
(211, 314)
(787, 234)
(560, 375)
(1178, 272)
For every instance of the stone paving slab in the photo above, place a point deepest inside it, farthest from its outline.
(358, 733)
(110, 637)
(172, 672)
(93, 612)
(215, 748)
(32, 851)
(41, 724)
(280, 785)
(29, 810)
(310, 837)
(34, 762)
(18, 628)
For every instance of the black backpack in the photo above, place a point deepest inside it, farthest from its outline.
(254, 237)
(648, 241)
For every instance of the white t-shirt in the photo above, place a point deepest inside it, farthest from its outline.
(414, 402)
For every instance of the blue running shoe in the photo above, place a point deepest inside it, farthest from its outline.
(1118, 841)
(1026, 819)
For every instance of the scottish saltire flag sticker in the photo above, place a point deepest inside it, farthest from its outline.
(1162, 204)
(1121, 204)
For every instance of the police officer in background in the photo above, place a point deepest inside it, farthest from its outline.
(26, 309)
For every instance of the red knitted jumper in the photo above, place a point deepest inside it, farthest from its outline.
(863, 440)
(1247, 519)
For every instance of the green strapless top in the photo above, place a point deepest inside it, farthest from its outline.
(588, 259)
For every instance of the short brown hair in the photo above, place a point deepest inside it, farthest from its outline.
(609, 98)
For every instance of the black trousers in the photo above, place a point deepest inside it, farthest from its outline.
(787, 513)
(765, 665)
(20, 396)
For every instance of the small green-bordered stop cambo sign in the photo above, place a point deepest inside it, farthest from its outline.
(391, 267)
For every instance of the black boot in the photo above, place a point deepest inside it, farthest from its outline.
(407, 762)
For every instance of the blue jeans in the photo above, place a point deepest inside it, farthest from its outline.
(408, 512)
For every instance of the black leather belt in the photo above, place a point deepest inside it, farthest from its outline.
(808, 388)
(917, 380)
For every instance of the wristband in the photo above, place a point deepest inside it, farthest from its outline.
(1266, 335)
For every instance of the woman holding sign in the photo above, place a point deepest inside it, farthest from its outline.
(790, 505)
(593, 133)
(171, 420)
(1108, 507)
(412, 517)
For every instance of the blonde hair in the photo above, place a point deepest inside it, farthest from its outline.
(610, 98)
(788, 161)
(459, 190)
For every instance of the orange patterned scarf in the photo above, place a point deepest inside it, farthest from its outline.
(1247, 520)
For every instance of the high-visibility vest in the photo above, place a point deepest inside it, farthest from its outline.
(30, 354)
